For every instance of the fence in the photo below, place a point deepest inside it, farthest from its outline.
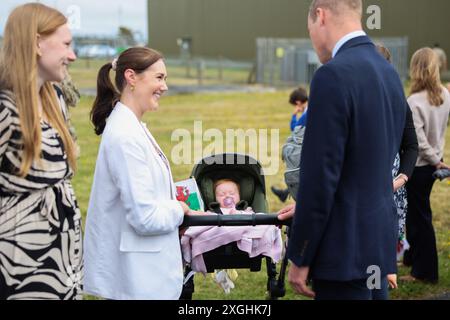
(290, 62)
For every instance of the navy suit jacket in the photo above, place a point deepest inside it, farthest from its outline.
(345, 219)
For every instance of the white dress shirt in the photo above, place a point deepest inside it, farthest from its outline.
(132, 248)
(347, 38)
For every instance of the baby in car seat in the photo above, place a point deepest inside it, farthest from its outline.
(228, 200)
(265, 240)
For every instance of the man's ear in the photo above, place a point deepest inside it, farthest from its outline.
(321, 15)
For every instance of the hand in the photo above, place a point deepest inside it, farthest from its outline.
(392, 280)
(186, 209)
(442, 165)
(398, 183)
(189, 212)
(286, 212)
(298, 277)
(194, 213)
(298, 109)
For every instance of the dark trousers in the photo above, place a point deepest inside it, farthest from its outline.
(349, 290)
(422, 256)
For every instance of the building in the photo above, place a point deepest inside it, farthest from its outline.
(229, 28)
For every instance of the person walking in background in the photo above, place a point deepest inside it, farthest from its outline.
(40, 222)
(430, 105)
(345, 222)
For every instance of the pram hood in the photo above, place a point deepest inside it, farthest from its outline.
(243, 169)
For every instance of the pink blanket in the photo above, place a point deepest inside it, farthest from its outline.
(258, 240)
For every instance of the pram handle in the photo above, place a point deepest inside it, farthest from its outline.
(233, 220)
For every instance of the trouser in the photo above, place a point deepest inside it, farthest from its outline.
(349, 290)
(422, 256)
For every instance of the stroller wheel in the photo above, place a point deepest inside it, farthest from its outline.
(275, 291)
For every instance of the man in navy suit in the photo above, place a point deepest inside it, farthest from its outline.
(344, 230)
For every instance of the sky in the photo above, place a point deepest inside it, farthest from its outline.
(93, 17)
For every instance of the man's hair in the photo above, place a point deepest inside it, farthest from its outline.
(384, 51)
(336, 6)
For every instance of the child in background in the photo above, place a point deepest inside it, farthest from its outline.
(299, 99)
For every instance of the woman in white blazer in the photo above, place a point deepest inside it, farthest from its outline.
(132, 248)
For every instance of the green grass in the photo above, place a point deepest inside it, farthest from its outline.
(244, 111)
(84, 73)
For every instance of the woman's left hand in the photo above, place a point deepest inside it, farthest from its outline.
(398, 184)
(400, 181)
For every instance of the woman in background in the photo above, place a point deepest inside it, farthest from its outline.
(430, 105)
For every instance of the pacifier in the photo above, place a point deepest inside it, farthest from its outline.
(229, 202)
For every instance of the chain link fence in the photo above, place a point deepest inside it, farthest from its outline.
(290, 62)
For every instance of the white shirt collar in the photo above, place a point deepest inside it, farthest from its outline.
(345, 39)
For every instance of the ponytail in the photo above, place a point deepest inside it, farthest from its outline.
(138, 59)
(107, 96)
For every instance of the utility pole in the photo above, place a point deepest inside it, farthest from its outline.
(148, 23)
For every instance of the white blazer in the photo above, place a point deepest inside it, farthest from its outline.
(131, 244)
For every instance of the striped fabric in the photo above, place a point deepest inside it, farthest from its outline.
(40, 222)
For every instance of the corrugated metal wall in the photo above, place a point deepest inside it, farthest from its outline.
(229, 28)
(424, 22)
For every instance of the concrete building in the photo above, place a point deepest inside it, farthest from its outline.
(229, 28)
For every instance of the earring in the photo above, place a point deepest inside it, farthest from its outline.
(132, 88)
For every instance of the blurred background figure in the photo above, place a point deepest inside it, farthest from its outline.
(443, 65)
(430, 105)
(68, 96)
(299, 99)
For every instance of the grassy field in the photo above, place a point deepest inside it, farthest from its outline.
(244, 111)
(84, 71)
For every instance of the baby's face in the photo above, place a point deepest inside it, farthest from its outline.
(227, 190)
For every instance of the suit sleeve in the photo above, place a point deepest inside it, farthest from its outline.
(321, 165)
(409, 147)
(144, 212)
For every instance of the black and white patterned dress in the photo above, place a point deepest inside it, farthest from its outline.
(40, 222)
(400, 200)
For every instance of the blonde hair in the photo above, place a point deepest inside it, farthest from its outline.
(424, 73)
(18, 65)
